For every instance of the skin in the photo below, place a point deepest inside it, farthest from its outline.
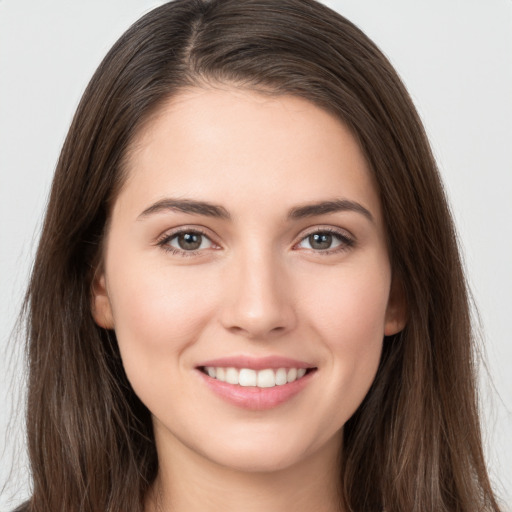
(257, 286)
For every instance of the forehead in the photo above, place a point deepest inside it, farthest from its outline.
(234, 145)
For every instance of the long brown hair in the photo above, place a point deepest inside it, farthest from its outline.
(414, 444)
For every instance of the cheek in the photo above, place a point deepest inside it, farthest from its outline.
(158, 312)
(350, 304)
(349, 321)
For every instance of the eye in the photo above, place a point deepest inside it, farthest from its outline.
(186, 242)
(326, 240)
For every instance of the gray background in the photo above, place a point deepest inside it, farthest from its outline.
(455, 57)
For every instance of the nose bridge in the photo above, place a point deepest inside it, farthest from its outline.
(259, 298)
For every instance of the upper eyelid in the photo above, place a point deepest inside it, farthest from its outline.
(171, 233)
(325, 229)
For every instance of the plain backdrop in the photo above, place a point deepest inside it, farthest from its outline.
(455, 57)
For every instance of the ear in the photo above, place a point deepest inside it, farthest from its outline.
(396, 311)
(101, 307)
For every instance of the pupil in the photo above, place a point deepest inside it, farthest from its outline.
(320, 241)
(189, 241)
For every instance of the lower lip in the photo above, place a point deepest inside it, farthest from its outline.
(254, 398)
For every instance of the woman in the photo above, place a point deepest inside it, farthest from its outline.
(257, 299)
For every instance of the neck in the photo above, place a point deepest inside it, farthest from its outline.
(187, 482)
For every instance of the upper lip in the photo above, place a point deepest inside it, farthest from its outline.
(256, 363)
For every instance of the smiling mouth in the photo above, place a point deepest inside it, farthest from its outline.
(247, 377)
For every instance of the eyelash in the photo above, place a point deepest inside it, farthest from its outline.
(166, 239)
(346, 242)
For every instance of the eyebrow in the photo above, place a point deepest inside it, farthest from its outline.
(187, 206)
(217, 211)
(324, 207)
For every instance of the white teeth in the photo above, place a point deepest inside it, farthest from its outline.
(267, 378)
(281, 376)
(292, 375)
(232, 376)
(247, 377)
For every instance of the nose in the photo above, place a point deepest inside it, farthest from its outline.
(258, 298)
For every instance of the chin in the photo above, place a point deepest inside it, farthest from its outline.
(272, 454)
(257, 461)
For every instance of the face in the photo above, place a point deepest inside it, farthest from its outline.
(247, 277)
